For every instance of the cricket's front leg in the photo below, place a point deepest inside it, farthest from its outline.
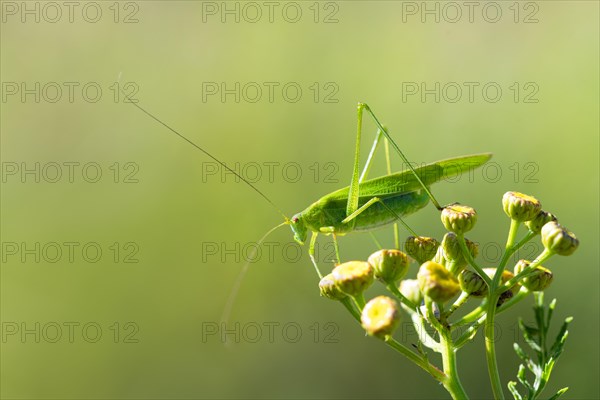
(330, 230)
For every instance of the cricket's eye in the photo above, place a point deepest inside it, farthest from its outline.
(295, 219)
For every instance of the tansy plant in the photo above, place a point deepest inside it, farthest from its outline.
(448, 276)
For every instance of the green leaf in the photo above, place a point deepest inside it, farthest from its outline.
(512, 386)
(561, 338)
(528, 334)
(551, 308)
(548, 369)
(522, 355)
(536, 338)
(559, 393)
(523, 379)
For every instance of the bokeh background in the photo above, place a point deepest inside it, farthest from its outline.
(141, 320)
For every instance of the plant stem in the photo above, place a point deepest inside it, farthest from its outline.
(470, 332)
(462, 299)
(490, 346)
(467, 255)
(347, 302)
(472, 316)
(359, 299)
(452, 381)
(493, 295)
(421, 362)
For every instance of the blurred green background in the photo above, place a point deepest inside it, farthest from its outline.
(147, 329)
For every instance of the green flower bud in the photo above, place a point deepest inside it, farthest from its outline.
(541, 219)
(353, 277)
(410, 289)
(458, 218)
(558, 239)
(329, 289)
(506, 276)
(380, 316)
(453, 254)
(539, 280)
(389, 265)
(437, 282)
(421, 248)
(520, 207)
(472, 284)
(451, 247)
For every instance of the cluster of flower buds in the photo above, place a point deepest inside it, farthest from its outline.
(555, 238)
(524, 208)
(380, 316)
(443, 271)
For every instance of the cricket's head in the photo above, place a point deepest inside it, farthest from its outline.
(299, 228)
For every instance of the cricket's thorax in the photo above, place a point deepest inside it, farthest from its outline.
(331, 211)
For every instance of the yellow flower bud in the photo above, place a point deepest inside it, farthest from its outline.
(520, 207)
(353, 277)
(329, 289)
(380, 316)
(458, 218)
(389, 265)
(437, 282)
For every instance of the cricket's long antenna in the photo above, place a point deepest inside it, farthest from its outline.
(135, 103)
(238, 282)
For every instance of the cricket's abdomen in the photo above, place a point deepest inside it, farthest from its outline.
(331, 212)
(403, 205)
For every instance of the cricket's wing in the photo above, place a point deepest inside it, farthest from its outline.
(405, 181)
